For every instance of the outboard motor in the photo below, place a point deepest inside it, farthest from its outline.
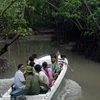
(17, 95)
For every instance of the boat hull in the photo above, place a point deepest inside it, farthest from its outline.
(50, 93)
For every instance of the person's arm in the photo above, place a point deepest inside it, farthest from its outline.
(68, 65)
(27, 87)
(22, 78)
(24, 82)
(57, 53)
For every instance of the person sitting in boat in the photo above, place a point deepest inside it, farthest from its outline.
(48, 71)
(55, 66)
(43, 77)
(29, 64)
(19, 79)
(64, 60)
(34, 59)
(31, 58)
(33, 83)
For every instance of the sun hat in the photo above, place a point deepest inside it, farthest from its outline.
(29, 69)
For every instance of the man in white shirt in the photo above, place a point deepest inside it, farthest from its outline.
(19, 79)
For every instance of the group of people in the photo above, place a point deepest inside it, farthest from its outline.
(37, 78)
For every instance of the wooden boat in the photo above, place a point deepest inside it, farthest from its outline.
(49, 94)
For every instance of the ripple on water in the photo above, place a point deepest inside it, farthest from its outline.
(6, 83)
(71, 91)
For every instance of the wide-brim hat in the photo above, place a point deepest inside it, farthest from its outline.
(29, 69)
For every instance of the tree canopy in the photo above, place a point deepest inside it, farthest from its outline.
(70, 18)
(22, 16)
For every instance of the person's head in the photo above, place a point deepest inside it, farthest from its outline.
(31, 58)
(29, 70)
(32, 63)
(63, 56)
(34, 55)
(44, 65)
(21, 67)
(53, 58)
(28, 62)
(37, 68)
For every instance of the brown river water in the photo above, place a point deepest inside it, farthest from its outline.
(83, 84)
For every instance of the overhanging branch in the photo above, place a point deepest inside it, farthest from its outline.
(91, 14)
(52, 5)
(5, 48)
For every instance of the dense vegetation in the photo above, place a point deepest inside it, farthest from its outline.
(73, 20)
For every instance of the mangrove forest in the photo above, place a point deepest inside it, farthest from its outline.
(76, 21)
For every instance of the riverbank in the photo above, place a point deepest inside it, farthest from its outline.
(46, 37)
(40, 37)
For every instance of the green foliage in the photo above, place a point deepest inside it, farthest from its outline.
(69, 8)
(23, 31)
(14, 19)
(22, 15)
(88, 33)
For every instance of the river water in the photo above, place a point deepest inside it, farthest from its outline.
(83, 84)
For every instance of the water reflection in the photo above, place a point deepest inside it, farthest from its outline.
(19, 52)
(85, 81)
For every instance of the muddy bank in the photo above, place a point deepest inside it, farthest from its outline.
(37, 37)
(44, 37)
(67, 46)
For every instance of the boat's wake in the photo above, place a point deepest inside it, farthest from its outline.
(71, 91)
(5, 83)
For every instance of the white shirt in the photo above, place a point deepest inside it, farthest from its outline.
(36, 61)
(61, 61)
(18, 79)
(59, 56)
(66, 61)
